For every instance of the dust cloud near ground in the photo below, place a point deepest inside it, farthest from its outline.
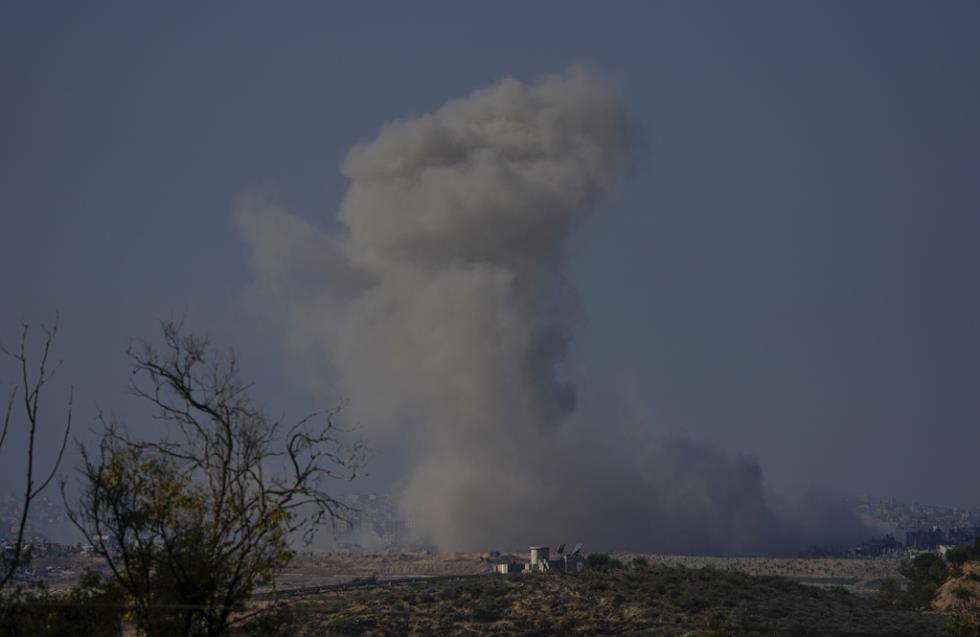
(441, 308)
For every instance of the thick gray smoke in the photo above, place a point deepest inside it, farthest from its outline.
(444, 311)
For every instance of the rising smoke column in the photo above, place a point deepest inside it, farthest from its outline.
(444, 310)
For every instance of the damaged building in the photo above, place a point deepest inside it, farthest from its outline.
(540, 560)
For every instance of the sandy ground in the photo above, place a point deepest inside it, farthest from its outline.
(961, 593)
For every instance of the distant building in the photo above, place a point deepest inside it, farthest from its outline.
(962, 535)
(925, 539)
(539, 554)
(541, 561)
(877, 547)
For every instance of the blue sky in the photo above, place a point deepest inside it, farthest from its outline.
(788, 269)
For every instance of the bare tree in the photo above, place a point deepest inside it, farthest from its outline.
(32, 380)
(192, 520)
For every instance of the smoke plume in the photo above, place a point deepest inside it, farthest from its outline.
(443, 308)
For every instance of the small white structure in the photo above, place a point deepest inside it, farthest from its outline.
(539, 554)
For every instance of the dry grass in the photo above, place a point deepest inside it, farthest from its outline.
(655, 600)
(961, 593)
(322, 569)
(857, 575)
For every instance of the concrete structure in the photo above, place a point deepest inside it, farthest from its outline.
(539, 554)
(566, 563)
(572, 563)
(540, 561)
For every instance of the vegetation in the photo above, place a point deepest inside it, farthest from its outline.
(191, 522)
(965, 553)
(962, 625)
(32, 380)
(716, 624)
(636, 601)
(924, 575)
(188, 523)
(94, 608)
(602, 562)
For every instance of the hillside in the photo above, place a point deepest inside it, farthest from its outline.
(960, 593)
(652, 600)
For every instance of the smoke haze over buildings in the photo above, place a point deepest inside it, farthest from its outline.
(444, 310)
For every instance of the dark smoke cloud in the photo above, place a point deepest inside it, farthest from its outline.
(443, 309)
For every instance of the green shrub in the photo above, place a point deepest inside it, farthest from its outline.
(716, 624)
(962, 625)
(964, 553)
(925, 574)
(890, 590)
(94, 608)
(602, 562)
(489, 610)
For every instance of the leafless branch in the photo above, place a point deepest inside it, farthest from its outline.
(31, 386)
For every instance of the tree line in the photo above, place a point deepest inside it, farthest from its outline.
(924, 574)
(188, 521)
